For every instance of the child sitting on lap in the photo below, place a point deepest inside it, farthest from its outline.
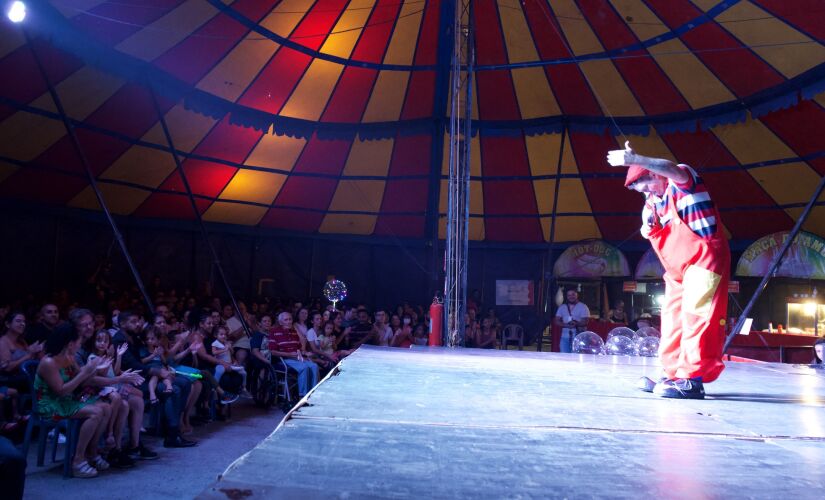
(222, 349)
(153, 355)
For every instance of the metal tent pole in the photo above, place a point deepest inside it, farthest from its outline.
(775, 264)
(548, 289)
(458, 208)
(204, 232)
(89, 174)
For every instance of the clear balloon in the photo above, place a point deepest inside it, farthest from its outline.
(620, 331)
(620, 345)
(647, 347)
(588, 343)
(648, 331)
(335, 291)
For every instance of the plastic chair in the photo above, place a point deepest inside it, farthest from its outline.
(512, 332)
(69, 427)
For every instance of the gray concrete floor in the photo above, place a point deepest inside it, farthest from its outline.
(178, 473)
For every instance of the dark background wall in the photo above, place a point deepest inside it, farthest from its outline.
(43, 251)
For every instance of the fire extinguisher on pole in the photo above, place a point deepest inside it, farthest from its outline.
(436, 322)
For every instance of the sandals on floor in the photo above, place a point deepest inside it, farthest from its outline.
(99, 463)
(84, 470)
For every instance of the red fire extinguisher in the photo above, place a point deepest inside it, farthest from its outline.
(436, 322)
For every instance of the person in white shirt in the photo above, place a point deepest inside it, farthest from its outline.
(382, 329)
(572, 317)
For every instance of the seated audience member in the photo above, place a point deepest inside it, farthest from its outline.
(361, 333)
(57, 384)
(395, 323)
(129, 334)
(222, 350)
(328, 343)
(227, 312)
(193, 350)
(618, 314)
(420, 334)
(819, 353)
(48, 318)
(14, 351)
(471, 331)
(99, 346)
(239, 337)
(381, 330)
(350, 317)
(83, 321)
(403, 337)
(153, 356)
(285, 344)
(300, 323)
(315, 336)
(100, 322)
(11, 428)
(487, 335)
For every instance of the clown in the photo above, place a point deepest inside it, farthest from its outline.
(682, 224)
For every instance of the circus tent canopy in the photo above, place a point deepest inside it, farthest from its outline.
(329, 116)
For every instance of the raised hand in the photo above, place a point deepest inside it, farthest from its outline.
(122, 349)
(621, 157)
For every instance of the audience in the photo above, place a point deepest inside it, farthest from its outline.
(100, 365)
(173, 413)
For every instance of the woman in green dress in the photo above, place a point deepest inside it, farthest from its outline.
(60, 394)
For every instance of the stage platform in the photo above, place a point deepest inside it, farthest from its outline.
(467, 423)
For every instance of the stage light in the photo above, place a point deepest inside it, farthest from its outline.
(17, 12)
(660, 299)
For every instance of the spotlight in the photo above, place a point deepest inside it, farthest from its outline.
(17, 12)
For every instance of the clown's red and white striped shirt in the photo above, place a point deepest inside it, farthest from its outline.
(692, 201)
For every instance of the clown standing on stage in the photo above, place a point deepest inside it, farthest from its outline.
(683, 226)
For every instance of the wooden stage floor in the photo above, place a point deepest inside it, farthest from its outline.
(466, 423)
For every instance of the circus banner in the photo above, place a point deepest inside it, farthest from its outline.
(649, 267)
(805, 257)
(591, 259)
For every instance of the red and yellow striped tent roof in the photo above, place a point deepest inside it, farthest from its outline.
(328, 116)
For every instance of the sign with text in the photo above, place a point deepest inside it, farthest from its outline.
(591, 259)
(805, 257)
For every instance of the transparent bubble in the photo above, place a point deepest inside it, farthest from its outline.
(647, 346)
(335, 291)
(648, 331)
(620, 345)
(588, 343)
(622, 331)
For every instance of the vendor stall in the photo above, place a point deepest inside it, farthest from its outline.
(791, 304)
(589, 267)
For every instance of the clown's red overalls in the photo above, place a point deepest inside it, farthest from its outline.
(697, 271)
